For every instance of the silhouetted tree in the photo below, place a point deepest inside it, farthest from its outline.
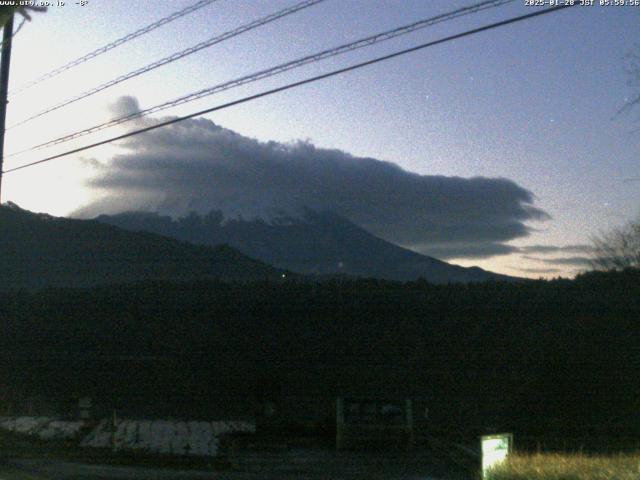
(618, 249)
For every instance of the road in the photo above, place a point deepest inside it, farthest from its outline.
(300, 464)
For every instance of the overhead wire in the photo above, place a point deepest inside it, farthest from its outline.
(116, 43)
(281, 68)
(297, 84)
(175, 56)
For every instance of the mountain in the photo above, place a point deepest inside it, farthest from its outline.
(319, 243)
(38, 250)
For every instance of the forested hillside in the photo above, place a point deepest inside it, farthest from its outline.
(38, 250)
(559, 354)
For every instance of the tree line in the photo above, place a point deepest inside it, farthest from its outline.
(561, 352)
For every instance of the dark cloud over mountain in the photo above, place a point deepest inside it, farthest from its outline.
(198, 165)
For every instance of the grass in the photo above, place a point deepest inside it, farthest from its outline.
(575, 466)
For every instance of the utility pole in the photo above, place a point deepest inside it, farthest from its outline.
(7, 33)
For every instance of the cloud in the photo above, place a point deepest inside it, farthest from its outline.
(124, 106)
(537, 270)
(457, 249)
(545, 249)
(577, 261)
(570, 261)
(198, 165)
(547, 254)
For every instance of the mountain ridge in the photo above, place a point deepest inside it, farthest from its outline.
(39, 250)
(318, 243)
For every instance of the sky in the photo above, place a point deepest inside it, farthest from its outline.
(502, 150)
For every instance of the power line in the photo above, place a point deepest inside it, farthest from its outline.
(260, 75)
(176, 56)
(115, 43)
(297, 84)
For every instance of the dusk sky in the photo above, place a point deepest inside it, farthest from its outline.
(530, 107)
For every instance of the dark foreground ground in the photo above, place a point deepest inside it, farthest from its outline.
(303, 463)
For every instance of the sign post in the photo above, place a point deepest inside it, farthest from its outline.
(495, 450)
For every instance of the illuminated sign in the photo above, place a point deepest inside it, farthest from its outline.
(495, 450)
